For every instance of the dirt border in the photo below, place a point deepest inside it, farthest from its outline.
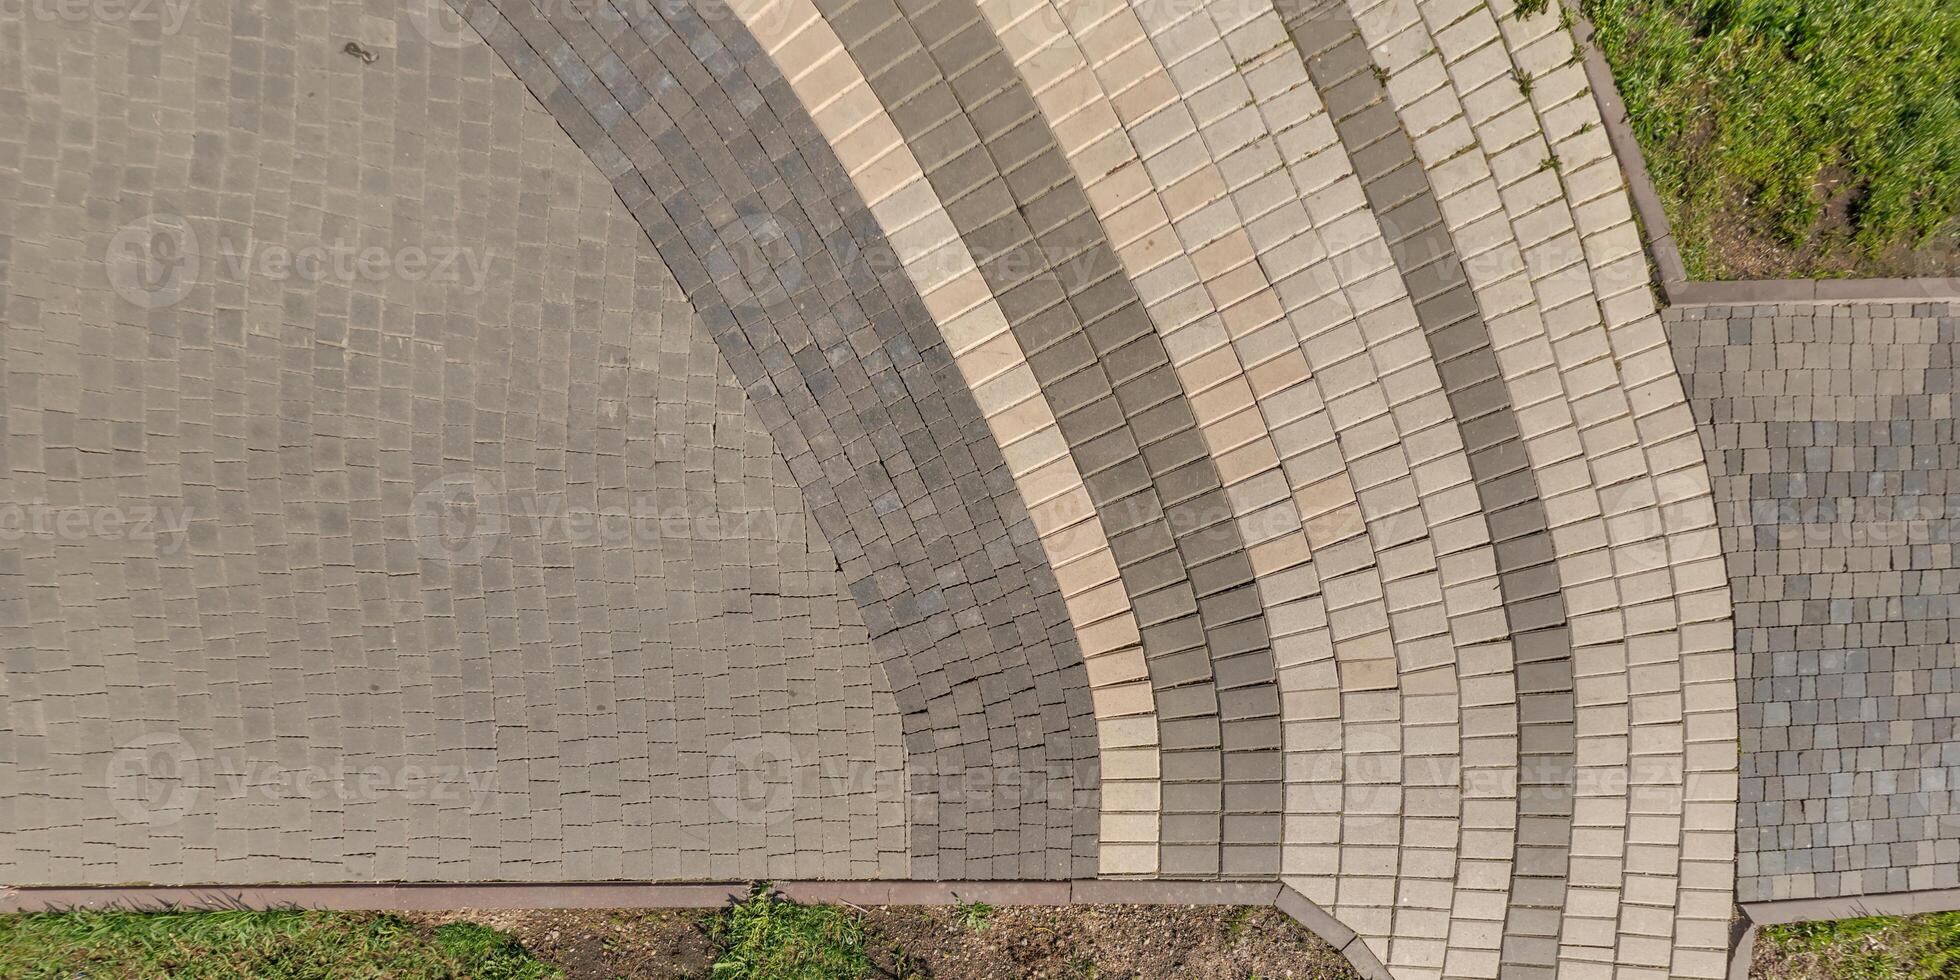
(1676, 287)
(601, 894)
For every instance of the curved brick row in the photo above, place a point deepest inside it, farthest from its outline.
(1431, 689)
(1243, 430)
(1630, 598)
(846, 366)
(1533, 605)
(1213, 311)
(484, 571)
(925, 242)
(984, 147)
(1596, 193)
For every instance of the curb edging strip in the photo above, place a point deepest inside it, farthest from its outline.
(1754, 915)
(351, 896)
(1675, 286)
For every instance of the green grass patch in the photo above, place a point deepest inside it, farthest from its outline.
(766, 937)
(1872, 948)
(976, 916)
(272, 945)
(1767, 99)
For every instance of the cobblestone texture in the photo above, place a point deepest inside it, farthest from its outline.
(1830, 435)
(381, 521)
(955, 96)
(721, 164)
(1231, 441)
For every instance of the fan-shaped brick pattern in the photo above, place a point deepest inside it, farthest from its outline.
(924, 241)
(1119, 403)
(1524, 554)
(1205, 441)
(470, 562)
(967, 631)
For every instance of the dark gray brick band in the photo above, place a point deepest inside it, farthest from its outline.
(1399, 192)
(710, 150)
(988, 153)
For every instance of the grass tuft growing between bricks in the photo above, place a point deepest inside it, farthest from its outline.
(1827, 128)
(288, 944)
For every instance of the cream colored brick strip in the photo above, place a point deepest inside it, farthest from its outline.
(1542, 48)
(1205, 301)
(1258, 73)
(1508, 131)
(1469, 57)
(1191, 260)
(1218, 318)
(1115, 43)
(1538, 374)
(928, 246)
(1273, 69)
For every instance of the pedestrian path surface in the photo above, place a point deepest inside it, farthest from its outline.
(1830, 435)
(579, 440)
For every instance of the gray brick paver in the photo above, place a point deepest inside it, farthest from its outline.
(1829, 435)
(297, 624)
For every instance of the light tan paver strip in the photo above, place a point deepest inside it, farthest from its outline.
(1261, 47)
(952, 91)
(1531, 599)
(1380, 22)
(1211, 350)
(925, 241)
(1433, 704)
(1631, 424)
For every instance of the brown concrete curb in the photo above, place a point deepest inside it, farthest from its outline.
(1852, 907)
(605, 894)
(1305, 912)
(350, 897)
(1742, 947)
(1675, 285)
(609, 894)
(421, 896)
(1755, 915)
(1768, 291)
